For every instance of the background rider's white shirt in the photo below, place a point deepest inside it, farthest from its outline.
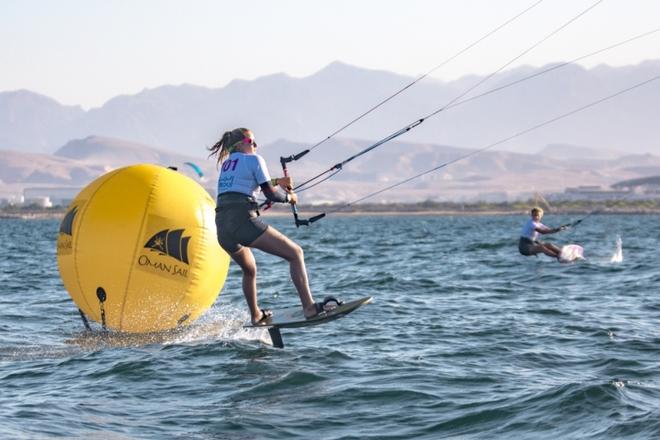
(530, 229)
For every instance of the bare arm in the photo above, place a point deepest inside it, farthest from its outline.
(276, 196)
(545, 230)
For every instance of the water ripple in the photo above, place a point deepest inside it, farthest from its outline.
(465, 339)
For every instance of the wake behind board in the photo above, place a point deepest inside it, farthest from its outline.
(571, 253)
(291, 317)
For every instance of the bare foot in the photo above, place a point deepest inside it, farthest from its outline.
(312, 310)
(328, 304)
(263, 316)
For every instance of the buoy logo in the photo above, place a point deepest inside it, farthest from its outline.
(171, 243)
(65, 238)
(67, 223)
(168, 244)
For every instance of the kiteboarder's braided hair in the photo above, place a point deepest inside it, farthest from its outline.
(227, 143)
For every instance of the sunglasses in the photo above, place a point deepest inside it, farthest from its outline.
(249, 141)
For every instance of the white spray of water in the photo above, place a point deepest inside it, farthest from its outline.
(617, 257)
(219, 324)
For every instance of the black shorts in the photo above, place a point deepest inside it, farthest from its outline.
(525, 246)
(237, 221)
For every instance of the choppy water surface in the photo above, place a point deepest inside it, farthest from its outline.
(465, 339)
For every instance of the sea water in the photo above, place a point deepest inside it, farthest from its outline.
(465, 339)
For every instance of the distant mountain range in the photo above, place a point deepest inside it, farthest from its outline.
(186, 118)
(80, 161)
(490, 175)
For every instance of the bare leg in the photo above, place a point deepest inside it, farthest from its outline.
(541, 248)
(554, 248)
(276, 243)
(245, 259)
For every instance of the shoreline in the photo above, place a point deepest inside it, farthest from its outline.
(40, 215)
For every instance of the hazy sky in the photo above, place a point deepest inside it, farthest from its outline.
(88, 51)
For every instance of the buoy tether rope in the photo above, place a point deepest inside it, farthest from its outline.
(100, 294)
(183, 319)
(84, 320)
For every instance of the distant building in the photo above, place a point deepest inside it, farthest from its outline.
(11, 201)
(592, 192)
(61, 196)
(645, 185)
(41, 202)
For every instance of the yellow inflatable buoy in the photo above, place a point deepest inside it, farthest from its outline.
(138, 252)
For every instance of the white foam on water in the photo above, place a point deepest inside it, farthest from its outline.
(223, 324)
(217, 325)
(617, 257)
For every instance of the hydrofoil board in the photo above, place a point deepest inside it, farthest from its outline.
(571, 253)
(291, 317)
